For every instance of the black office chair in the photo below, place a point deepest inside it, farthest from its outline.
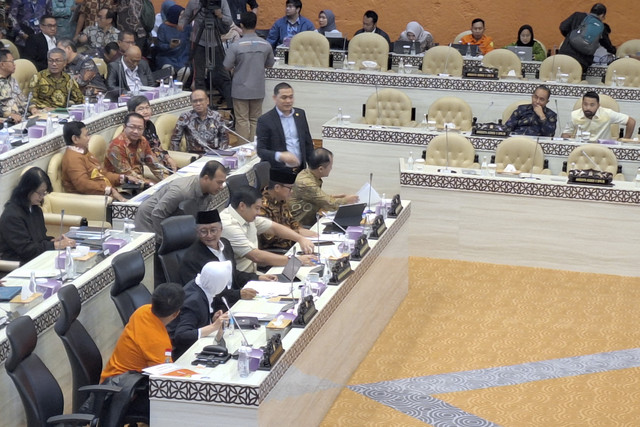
(178, 233)
(236, 181)
(262, 170)
(128, 293)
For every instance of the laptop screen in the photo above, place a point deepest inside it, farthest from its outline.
(291, 268)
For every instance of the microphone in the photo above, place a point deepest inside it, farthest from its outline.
(69, 86)
(558, 116)
(237, 134)
(11, 315)
(446, 136)
(369, 201)
(591, 160)
(485, 111)
(159, 165)
(26, 111)
(106, 201)
(377, 106)
(244, 338)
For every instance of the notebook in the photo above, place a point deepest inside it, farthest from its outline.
(7, 293)
(525, 53)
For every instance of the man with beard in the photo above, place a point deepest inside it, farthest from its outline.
(596, 120)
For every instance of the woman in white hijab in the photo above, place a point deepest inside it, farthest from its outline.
(196, 318)
(415, 32)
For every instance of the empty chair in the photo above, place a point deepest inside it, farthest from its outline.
(369, 47)
(505, 61)
(512, 107)
(24, 71)
(452, 150)
(451, 109)
(524, 153)
(630, 47)
(461, 35)
(262, 171)
(236, 181)
(443, 60)
(128, 292)
(567, 65)
(601, 155)
(178, 233)
(310, 49)
(607, 102)
(628, 68)
(389, 107)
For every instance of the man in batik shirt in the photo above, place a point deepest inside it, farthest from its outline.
(83, 69)
(52, 88)
(201, 127)
(99, 35)
(89, 10)
(12, 101)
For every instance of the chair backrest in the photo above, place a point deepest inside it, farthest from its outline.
(262, 171)
(567, 64)
(607, 102)
(236, 181)
(24, 71)
(630, 47)
(603, 156)
(38, 389)
(451, 109)
(369, 47)
(443, 59)
(98, 147)
(102, 67)
(178, 233)
(522, 152)
(388, 107)
(54, 170)
(82, 351)
(8, 44)
(544, 48)
(461, 153)
(504, 60)
(128, 293)
(629, 68)
(310, 49)
(165, 125)
(117, 132)
(461, 35)
(512, 107)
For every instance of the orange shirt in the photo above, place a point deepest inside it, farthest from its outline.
(485, 42)
(142, 344)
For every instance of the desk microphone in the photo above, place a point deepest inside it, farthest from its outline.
(558, 116)
(370, 183)
(69, 87)
(60, 248)
(485, 112)
(237, 134)
(11, 315)
(446, 136)
(106, 201)
(244, 338)
(159, 165)
(591, 160)
(26, 111)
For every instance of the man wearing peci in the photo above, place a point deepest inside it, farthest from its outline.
(534, 119)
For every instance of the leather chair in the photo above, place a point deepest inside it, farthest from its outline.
(24, 71)
(630, 47)
(178, 233)
(602, 155)
(629, 68)
(165, 125)
(128, 292)
(607, 102)
(389, 107)
(461, 153)
(567, 64)
(8, 44)
(236, 181)
(102, 67)
(522, 152)
(262, 171)
(443, 59)
(512, 107)
(369, 47)
(505, 61)
(451, 109)
(98, 147)
(309, 49)
(460, 36)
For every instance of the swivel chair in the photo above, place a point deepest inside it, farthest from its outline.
(25, 70)
(602, 155)
(629, 68)
(512, 107)
(9, 45)
(451, 109)
(369, 47)
(453, 150)
(443, 59)
(568, 65)
(309, 49)
(178, 233)
(459, 37)
(165, 125)
(128, 292)
(630, 47)
(262, 171)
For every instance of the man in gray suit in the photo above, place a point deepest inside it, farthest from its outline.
(131, 68)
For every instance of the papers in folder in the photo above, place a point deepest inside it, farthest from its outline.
(269, 289)
(363, 194)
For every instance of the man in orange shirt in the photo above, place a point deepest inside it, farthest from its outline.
(478, 37)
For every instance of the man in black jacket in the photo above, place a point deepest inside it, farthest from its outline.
(39, 44)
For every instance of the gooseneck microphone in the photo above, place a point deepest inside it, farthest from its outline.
(26, 111)
(69, 87)
(597, 166)
(237, 134)
(370, 186)
(485, 112)
(558, 117)
(244, 337)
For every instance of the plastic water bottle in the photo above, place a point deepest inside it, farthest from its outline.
(69, 265)
(167, 356)
(345, 62)
(5, 139)
(573, 166)
(410, 161)
(100, 103)
(468, 49)
(163, 89)
(558, 75)
(383, 206)
(339, 117)
(484, 168)
(49, 123)
(87, 108)
(401, 66)
(229, 326)
(614, 78)
(172, 87)
(413, 49)
(28, 288)
(243, 361)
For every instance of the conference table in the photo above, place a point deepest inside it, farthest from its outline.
(317, 361)
(98, 315)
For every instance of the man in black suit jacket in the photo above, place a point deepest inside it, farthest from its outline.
(283, 133)
(135, 64)
(39, 44)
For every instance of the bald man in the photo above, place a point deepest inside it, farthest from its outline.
(131, 68)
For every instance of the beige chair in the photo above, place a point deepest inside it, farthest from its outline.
(98, 147)
(309, 49)
(544, 48)
(629, 68)
(389, 107)
(369, 47)
(8, 44)
(512, 107)
(461, 153)
(24, 71)
(602, 155)
(523, 152)
(450, 109)
(443, 59)
(630, 47)
(102, 66)
(165, 125)
(504, 60)
(567, 64)
(607, 102)
(461, 35)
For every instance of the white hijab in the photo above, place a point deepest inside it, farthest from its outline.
(214, 278)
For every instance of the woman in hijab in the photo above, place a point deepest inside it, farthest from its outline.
(173, 44)
(525, 38)
(196, 318)
(415, 32)
(326, 21)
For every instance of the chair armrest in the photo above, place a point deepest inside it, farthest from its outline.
(7, 266)
(67, 221)
(182, 158)
(89, 206)
(73, 419)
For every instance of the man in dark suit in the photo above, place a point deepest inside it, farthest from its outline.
(39, 44)
(210, 246)
(130, 68)
(283, 133)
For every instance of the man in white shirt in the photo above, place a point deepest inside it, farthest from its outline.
(131, 68)
(38, 45)
(596, 120)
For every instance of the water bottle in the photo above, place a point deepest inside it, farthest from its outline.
(614, 78)
(410, 161)
(173, 87)
(383, 206)
(229, 327)
(558, 75)
(100, 103)
(167, 356)
(345, 62)
(136, 87)
(5, 139)
(49, 123)
(163, 89)
(468, 49)
(69, 264)
(413, 49)
(573, 166)
(638, 179)
(243, 361)
(484, 168)
(87, 108)
(28, 288)
(242, 160)
(401, 66)
(339, 116)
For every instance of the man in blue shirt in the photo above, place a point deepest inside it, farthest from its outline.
(534, 119)
(289, 25)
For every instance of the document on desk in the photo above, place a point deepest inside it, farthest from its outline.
(269, 289)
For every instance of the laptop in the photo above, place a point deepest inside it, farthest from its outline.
(398, 47)
(472, 49)
(525, 53)
(346, 216)
(290, 270)
(338, 43)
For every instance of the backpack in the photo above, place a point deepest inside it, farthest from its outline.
(147, 16)
(586, 37)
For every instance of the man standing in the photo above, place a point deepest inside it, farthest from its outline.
(596, 120)
(12, 101)
(534, 119)
(248, 58)
(98, 36)
(308, 197)
(25, 16)
(165, 202)
(238, 7)
(39, 44)
(284, 139)
(201, 127)
(242, 225)
(52, 88)
(129, 71)
(289, 25)
(130, 19)
(370, 25)
(83, 69)
(478, 37)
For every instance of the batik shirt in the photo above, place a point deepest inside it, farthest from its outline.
(12, 101)
(125, 157)
(52, 92)
(525, 121)
(198, 132)
(90, 9)
(276, 211)
(99, 38)
(25, 18)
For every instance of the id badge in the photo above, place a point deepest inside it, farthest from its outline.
(238, 16)
(36, 22)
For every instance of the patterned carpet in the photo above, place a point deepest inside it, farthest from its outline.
(480, 344)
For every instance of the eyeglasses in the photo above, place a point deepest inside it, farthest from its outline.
(49, 25)
(290, 187)
(136, 128)
(55, 60)
(9, 62)
(209, 231)
(41, 193)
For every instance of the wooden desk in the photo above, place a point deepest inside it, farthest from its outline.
(317, 362)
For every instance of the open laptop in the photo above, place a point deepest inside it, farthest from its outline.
(472, 49)
(338, 43)
(398, 47)
(525, 53)
(290, 270)
(346, 216)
